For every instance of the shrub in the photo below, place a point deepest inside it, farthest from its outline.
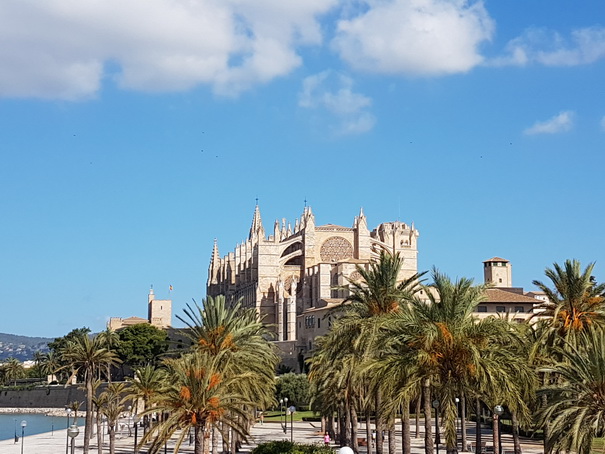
(287, 447)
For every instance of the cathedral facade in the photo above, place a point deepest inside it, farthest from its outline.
(295, 274)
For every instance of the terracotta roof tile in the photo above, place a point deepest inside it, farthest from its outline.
(495, 295)
(496, 259)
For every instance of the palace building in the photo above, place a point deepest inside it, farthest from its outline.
(294, 274)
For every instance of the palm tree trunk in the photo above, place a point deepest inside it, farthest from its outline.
(225, 439)
(198, 437)
(215, 435)
(112, 439)
(369, 431)
(379, 424)
(418, 409)
(323, 425)
(391, 431)
(477, 425)
(406, 441)
(516, 441)
(463, 421)
(342, 433)
(354, 422)
(347, 425)
(428, 431)
(99, 431)
(88, 417)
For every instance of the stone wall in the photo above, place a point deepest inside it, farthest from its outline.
(54, 396)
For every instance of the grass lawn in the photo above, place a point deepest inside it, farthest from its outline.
(274, 416)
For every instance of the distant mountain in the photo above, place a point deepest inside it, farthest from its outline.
(22, 347)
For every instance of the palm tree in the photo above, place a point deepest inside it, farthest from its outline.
(111, 404)
(12, 370)
(200, 395)
(51, 364)
(85, 355)
(575, 302)
(441, 345)
(576, 402)
(148, 382)
(110, 340)
(354, 333)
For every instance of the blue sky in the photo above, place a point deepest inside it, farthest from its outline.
(133, 133)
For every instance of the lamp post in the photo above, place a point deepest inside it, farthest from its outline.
(292, 410)
(457, 420)
(23, 425)
(285, 424)
(67, 428)
(72, 433)
(498, 411)
(136, 428)
(16, 437)
(281, 410)
(437, 438)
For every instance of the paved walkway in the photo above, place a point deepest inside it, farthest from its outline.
(303, 432)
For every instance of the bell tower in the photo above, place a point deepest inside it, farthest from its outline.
(498, 272)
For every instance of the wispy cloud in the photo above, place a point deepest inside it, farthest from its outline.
(415, 37)
(549, 48)
(333, 93)
(559, 123)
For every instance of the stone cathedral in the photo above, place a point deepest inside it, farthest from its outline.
(294, 275)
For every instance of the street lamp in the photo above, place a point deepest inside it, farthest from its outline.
(23, 425)
(457, 419)
(285, 423)
(67, 428)
(498, 411)
(136, 428)
(437, 438)
(72, 433)
(291, 410)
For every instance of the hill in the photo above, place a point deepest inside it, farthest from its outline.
(22, 347)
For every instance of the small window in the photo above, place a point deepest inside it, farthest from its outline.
(519, 309)
(319, 322)
(482, 309)
(500, 309)
(500, 280)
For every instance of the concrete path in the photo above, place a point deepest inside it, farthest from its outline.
(303, 432)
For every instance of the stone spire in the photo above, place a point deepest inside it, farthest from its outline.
(214, 264)
(256, 230)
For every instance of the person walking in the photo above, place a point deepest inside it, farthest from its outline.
(327, 439)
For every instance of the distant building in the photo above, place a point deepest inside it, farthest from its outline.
(503, 298)
(159, 314)
(293, 276)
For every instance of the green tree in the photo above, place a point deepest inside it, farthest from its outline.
(111, 405)
(295, 387)
(200, 395)
(576, 401)
(110, 339)
(87, 356)
(443, 346)
(12, 370)
(142, 344)
(148, 382)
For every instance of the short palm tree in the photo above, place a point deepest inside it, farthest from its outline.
(111, 405)
(87, 355)
(12, 369)
(148, 382)
(576, 402)
(200, 395)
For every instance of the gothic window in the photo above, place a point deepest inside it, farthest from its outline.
(336, 248)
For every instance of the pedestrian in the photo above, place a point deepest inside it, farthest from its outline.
(327, 439)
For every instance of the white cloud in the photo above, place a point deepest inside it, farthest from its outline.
(333, 93)
(62, 48)
(547, 47)
(559, 123)
(417, 37)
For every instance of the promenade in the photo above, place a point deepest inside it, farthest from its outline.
(304, 432)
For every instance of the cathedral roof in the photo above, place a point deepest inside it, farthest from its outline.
(333, 227)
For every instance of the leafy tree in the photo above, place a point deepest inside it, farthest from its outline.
(200, 395)
(576, 401)
(295, 387)
(59, 344)
(87, 356)
(141, 344)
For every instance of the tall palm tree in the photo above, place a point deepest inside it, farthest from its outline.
(354, 333)
(575, 302)
(576, 402)
(111, 405)
(200, 395)
(110, 339)
(443, 347)
(86, 355)
(148, 382)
